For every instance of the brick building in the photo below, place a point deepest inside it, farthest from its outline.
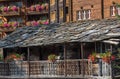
(73, 10)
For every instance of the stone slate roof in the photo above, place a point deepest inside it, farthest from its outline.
(79, 31)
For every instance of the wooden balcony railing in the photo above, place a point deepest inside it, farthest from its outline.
(45, 69)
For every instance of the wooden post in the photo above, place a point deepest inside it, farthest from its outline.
(95, 47)
(100, 61)
(111, 73)
(100, 47)
(65, 63)
(82, 63)
(28, 59)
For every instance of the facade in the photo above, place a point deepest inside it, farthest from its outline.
(99, 9)
(32, 13)
(20, 13)
(74, 10)
(33, 50)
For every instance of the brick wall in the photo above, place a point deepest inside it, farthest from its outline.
(107, 4)
(94, 5)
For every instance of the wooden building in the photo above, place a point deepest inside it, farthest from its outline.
(72, 43)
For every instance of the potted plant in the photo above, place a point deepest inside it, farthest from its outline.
(107, 57)
(32, 8)
(4, 8)
(13, 57)
(52, 57)
(1, 57)
(14, 8)
(92, 57)
(38, 7)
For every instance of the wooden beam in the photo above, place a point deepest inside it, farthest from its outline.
(28, 59)
(65, 63)
(28, 55)
(95, 47)
(82, 63)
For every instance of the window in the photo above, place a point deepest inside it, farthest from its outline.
(61, 12)
(83, 14)
(66, 8)
(53, 16)
(52, 2)
(114, 10)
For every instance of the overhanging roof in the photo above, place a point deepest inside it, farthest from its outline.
(80, 31)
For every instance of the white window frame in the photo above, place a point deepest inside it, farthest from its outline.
(82, 14)
(113, 10)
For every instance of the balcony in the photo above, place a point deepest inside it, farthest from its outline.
(45, 69)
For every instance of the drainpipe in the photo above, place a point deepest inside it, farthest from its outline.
(64, 10)
(49, 12)
(57, 11)
(102, 9)
(71, 10)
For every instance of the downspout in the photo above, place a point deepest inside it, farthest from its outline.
(57, 13)
(49, 12)
(64, 10)
(102, 9)
(70, 10)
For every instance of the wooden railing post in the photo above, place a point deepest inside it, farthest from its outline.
(82, 62)
(65, 63)
(28, 58)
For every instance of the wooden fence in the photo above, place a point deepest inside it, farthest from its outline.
(59, 69)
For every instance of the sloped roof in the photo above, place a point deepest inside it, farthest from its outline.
(80, 31)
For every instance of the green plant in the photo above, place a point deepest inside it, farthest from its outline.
(13, 56)
(1, 57)
(92, 57)
(106, 57)
(52, 57)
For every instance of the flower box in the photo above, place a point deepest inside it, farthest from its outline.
(8, 26)
(12, 13)
(37, 23)
(37, 9)
(7, 29)
(10, 10)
